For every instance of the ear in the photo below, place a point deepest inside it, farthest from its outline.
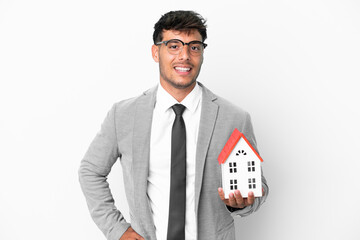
(155, 53)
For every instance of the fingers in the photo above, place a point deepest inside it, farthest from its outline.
(221, 194)
(236, 200)
(138, 237)
(240, 202)
(251, 198)
(130, 234)
(232, 200)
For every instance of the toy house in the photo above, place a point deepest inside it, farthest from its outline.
(240, 166)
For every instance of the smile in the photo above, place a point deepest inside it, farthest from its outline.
(182, 69)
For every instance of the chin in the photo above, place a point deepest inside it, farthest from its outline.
(181, 85)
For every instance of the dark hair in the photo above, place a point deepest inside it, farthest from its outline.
(181, 21)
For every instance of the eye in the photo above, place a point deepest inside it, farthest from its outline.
(174, 45)
(196, 47)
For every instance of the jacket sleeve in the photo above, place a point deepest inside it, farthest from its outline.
(249, 133)
(94, 169)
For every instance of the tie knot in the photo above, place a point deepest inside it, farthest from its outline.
(178, 109)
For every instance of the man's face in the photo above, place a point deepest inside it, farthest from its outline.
(178, 71)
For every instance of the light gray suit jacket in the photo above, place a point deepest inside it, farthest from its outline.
(125, 134)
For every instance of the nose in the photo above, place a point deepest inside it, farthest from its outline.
(184, 53)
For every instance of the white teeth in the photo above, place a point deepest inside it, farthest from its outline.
(182, 69)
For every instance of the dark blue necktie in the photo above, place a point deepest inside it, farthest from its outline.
(176, 225)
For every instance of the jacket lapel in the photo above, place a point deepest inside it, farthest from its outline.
(208, 117)
(141, 155)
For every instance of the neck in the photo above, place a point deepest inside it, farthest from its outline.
(178, 93)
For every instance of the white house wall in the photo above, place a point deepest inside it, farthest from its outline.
(242, 175)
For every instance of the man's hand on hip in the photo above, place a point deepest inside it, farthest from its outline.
(236, 200)
(130, 234)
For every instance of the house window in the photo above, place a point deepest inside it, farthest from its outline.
(252, 183)
(233, 184)
(251, 166)
(232, 167)
(240, 152)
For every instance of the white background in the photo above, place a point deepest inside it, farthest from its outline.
(294, 65)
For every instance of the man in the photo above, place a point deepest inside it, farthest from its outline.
(168, 140)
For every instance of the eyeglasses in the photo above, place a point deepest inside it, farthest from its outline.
(175, 46)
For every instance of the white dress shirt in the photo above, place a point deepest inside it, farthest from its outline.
(158, 189)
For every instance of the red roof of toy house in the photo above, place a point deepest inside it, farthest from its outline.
(231, 143)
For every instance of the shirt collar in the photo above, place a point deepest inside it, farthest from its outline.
(164, 100)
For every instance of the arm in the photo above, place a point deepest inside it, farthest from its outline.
(237, 204)
(93, 172)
